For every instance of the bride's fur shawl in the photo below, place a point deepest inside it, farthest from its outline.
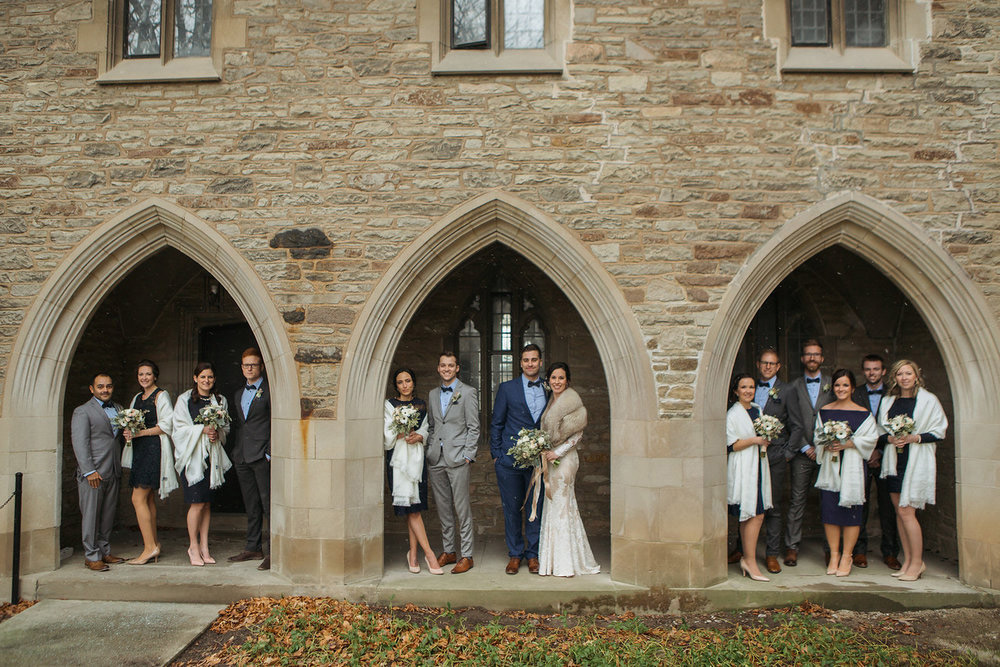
(564, 417)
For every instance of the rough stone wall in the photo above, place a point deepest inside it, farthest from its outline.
(671, 147)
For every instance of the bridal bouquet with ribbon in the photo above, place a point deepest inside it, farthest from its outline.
(405, 419)
(132, 420)
(215, 416)
(768, 427)
(527, 451)
(834, 432)
(899, 426)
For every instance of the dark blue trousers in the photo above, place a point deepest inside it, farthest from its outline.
(513, 485)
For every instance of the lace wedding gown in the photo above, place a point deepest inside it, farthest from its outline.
(563, 548)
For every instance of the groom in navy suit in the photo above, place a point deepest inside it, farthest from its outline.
(519, 404)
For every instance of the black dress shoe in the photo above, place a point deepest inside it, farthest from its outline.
(265, 564)
(246, 555)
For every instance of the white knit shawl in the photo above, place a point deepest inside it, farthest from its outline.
(920, 478)
(847, 479)
(191, 446)
(744, 466)
(407, 461)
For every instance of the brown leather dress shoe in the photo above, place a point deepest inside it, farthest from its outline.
(791, 558)
(533, 565)
(772, 565)
(447, 558)
(96, 565)
(513, 565)
(734, 557)
(265, 564)
(860, 560)
(892, 563)
(463, 565)
(246, 555)
(111, 560)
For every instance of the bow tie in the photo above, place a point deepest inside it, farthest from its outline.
(872, 392)
(811, 380)
(536, 383)
(763, 384)
(447, 389)
(250, 387)
(107, 404)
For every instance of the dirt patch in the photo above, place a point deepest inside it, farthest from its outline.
(7, 609)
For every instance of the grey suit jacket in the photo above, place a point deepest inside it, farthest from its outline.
(453, 436)
(777, 406)
(94, 441)
(802, 413)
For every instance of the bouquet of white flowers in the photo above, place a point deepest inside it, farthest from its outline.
(215, 416)
(899, 426)
(769, 428)
(527, 451)
(834, 432)
(130, 419)
(405, 419)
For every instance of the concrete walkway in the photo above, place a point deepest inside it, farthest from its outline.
(86, 633)
(174, 580)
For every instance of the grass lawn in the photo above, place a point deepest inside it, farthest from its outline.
(319, 631)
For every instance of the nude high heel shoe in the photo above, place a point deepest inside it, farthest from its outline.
(433, 570)
(908, 577)
(746, 572)
(842, 571)
(195, 557)
(155, 556)
(831, 567)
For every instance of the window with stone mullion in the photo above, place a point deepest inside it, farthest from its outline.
(838, 23)
(481, 24)
(181, 28)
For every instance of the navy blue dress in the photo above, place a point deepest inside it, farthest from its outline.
(146, 449)
(735, 509)
(421, 407)
(202, 491)
(901, 406)
(830, 511)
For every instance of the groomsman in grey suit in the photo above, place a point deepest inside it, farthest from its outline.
(806, 395)
(452, 441)
(252, 453)
(98, 469)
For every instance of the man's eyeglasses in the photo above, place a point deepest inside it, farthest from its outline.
(250, 365)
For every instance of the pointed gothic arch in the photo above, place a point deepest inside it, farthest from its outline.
(954, 308)
(501, 218)
(36, 378)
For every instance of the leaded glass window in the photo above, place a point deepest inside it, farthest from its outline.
(810, 22)
(524, 24)
(192, 28)
(516, 24)
(142, 28)
(864, 23)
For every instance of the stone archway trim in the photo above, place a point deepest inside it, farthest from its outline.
(952, 305)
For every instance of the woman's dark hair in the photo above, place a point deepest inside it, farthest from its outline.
(395, 376)
(203, 366)
(152, 366)
(555, 365)
(736, 383)
(844, 373)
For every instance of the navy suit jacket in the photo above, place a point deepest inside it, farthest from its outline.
(510, 415)
(253, 430)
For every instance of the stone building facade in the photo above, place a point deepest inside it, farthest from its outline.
(665, 165)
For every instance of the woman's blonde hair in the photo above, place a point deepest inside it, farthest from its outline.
(894, 389)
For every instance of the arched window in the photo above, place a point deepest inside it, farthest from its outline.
(488, 343)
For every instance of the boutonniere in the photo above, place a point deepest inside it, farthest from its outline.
(455, 399)
(260, 392)
(773, 392)
(546, 387)
(826, 387)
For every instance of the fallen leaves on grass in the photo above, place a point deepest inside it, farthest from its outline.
(315, 631)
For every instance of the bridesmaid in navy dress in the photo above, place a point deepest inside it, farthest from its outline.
(748, 478)
(152, 459)
(842, 472)
(406, 470)
(909, 465)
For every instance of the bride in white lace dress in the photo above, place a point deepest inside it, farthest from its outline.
(563, 549)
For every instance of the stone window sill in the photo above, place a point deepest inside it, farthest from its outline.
(143, 70)
(813, 59)
(528, 61)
